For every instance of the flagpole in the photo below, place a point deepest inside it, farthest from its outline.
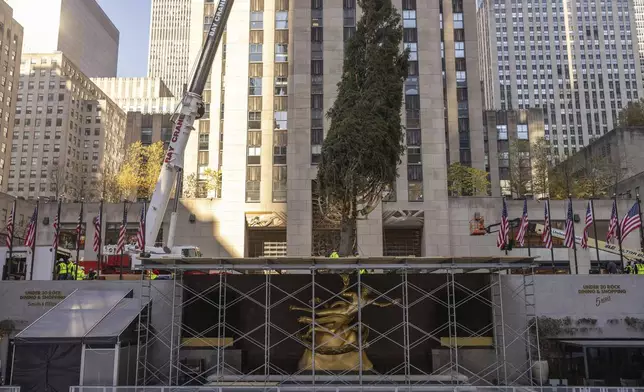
(639, 208)
(78, 239)
(13, 231)
(527, 228)
(574, 237)
(592, 210)
(552, 250)
(619, 232)
(145, 223)
(57, 235)
(100, 239)
(123, 248)
(33, 246)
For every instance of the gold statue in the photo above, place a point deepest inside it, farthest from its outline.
(336, 339)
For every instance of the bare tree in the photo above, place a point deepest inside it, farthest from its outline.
(57, 180)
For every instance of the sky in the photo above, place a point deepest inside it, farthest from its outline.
(132, 19)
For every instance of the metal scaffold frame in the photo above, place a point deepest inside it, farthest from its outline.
(522, 337)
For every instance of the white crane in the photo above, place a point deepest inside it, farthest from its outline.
(191, 109)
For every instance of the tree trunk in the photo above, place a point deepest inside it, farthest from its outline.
(347, 236)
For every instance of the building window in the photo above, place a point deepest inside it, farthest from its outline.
(279, 184)
(522, 131)
(253, 181)
(256, 20)
(255, 86)
(255, 52)
(281, 53)
(281, 20)
(502, 132)
(459, 48)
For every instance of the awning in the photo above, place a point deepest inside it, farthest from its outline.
(605, 343)
(90, 316)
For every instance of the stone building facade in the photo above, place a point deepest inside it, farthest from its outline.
(78, 28)
(11, 36)
(288, 56)
(68, 134)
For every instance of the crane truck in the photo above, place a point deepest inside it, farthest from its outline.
(190, 110)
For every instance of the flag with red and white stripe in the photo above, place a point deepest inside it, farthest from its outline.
(120, 247)
(631, 221)
(56, 233)
(30, 236)
(546, 237)
(9, 238)
(140, 235)
(569, 235)
(612, 224)
(502, 239)
(589, 222)
(523, 226)
(97, 233)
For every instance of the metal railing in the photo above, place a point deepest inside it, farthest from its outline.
(348, 388)
(9, 388)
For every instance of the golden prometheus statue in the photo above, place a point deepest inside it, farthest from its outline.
(336, 338)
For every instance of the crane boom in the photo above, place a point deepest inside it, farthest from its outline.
(191, 109)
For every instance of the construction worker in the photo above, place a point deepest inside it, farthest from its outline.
(61, 269)
(152, 275)
(640, 267)
(81, 273)
(71, 269)
(629, 269)
(334, 254)
(92, 275)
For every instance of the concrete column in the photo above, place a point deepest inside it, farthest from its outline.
(370, 239)
(299, 227)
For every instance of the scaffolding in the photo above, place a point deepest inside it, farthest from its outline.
(508, 358)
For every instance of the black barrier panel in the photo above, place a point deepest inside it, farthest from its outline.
(46, 367)
(247, 302)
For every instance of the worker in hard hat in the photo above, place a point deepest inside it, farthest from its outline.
(71, 269)
(61, 269)
(81, 273)
(152, 275)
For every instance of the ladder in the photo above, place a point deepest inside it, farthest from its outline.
(143, 332)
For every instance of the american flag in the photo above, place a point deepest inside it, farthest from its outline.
(523, 227)
(97, 233)
(79, 228)
(612, 225)
(120, 247)
(546, 237)
(589, 221)
(9, 238)
(56, 233)
(502, 239)
(631, 221)
(569, 235)
(30, 237)
(140, 235)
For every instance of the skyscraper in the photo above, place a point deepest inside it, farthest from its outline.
(276, 76)
(639, 23)
(11, 34)
(78, 28)
(169, 41)
(68, 134)
(577, 60)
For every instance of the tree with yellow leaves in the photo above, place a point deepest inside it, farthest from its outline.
(140, 170)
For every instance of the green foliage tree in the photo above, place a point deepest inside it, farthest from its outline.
(365, 140)
(466, 181)
(209, 184)
(140, 170)
(632, 115)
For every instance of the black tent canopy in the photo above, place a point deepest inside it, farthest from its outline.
(84, 340)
